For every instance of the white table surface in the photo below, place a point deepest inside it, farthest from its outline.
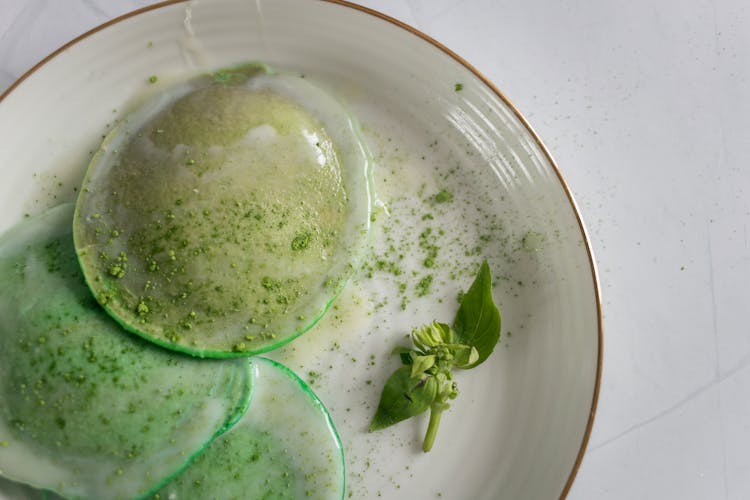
(645, 107)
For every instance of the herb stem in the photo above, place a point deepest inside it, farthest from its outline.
(432, 428)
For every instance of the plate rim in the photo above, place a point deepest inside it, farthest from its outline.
(492, 87)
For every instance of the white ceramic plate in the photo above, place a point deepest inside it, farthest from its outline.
(520, 425)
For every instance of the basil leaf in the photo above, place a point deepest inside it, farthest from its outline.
(421, 364)
(477, 321)
(447, 334)
(432, 335)
(426, 379)
(403, 397)
(404, 353)
(427, 336)
(463, 355)
(446, 389)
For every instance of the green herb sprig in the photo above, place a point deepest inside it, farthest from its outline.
(425, 381)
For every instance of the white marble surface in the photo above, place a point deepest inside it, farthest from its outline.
(644, 105)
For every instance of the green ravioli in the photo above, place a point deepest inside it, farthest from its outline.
(222, 218)
(284, 448)
(86, 409)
